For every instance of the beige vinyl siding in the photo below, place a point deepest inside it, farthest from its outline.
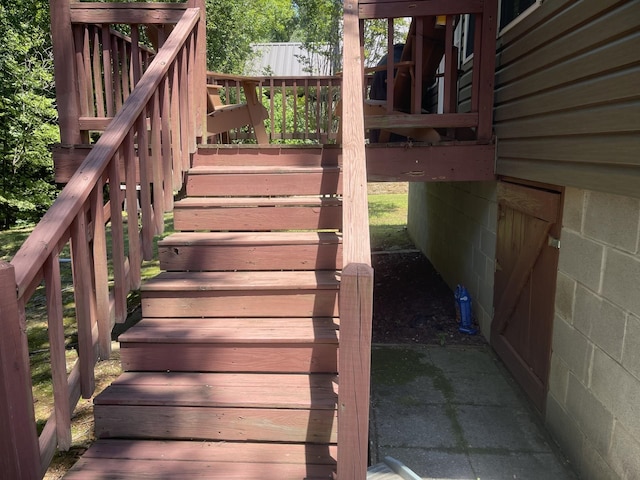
(567, 96)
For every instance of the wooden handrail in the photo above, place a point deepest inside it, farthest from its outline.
(162, 101)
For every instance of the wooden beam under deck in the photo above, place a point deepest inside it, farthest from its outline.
(406, 162)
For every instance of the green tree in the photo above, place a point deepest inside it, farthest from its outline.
(232, 25)
(27, 112)
(320, 31)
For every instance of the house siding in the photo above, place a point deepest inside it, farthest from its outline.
(567, 101)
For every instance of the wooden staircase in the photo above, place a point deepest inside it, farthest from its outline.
(232, 371)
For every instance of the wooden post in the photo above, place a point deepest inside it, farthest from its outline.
(20, 457)
(356, 306)
(355, 207)
(487, 69)
(65, 73)
(200, 93)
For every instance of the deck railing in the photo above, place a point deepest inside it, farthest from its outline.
(158, 115)
(301, 109)
(431, 38)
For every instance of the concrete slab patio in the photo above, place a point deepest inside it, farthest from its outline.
(455, 413)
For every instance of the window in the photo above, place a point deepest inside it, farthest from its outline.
(512, 9)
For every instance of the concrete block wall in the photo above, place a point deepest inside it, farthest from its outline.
(454, 225)
(593, 403)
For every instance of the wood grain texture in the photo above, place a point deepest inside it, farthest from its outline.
(356, 309)
(233, 330)
(294, 391)
(224, 423)
(355, 212)
(220, 181)
(18, 437)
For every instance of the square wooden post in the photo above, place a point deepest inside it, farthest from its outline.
(20, 452)
(356, 309)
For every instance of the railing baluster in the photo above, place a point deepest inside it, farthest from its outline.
(146, 176)
(55, 327)
(176, 138)
(97, 73)
(86, 57)
(167, 163)
(136, 58)
(107, 67)
(120, 287)
(306, 109)
(132, 211)
(156, 163)
(78, 31)
(191, 56)
(184, 110)
(101, 272)
(126, 62)
(83, 286)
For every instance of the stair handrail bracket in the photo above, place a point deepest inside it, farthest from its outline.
(356, 285)
(158, 113)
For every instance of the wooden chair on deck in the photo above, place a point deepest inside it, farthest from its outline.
(409, 70)
(221, 117)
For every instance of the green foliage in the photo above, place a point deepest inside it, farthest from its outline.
(27, 112)
(232, 25)
(320, 31)
(388, 221)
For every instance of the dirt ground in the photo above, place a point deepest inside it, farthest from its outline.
(412, 304)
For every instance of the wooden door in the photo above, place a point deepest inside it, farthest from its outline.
(525, 282)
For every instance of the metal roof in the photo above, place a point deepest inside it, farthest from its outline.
(283, 59)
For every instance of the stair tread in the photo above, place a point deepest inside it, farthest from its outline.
(259, 169)
(205, 281)
(280, 391)
(251, 238)
(136, 459)
(235, 331)
(213, 202)
(212, 451)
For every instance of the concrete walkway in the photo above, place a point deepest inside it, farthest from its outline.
(456, 413)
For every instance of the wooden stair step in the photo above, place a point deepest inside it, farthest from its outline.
(254, 202)
(131, 459)
(258, 213)
(241, 294)
(290, 391)
(250, 238)
(215, 423)
(196, 251)
(247, 358)
(279, 155)
(205, 281)
(233, 331)
(261, 180)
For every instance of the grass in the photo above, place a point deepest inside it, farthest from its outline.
(387, 217)
(388, 221)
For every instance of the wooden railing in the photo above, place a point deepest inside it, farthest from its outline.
(98, 66)
(356, 285)
(430, 40)
(151, 138)
(301, 109)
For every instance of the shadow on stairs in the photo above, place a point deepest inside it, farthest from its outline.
(232, 371)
